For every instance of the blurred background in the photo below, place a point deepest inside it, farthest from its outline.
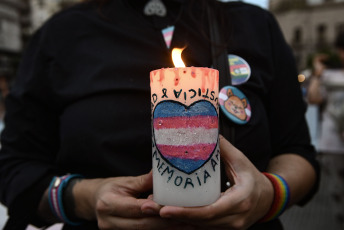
(309, 26)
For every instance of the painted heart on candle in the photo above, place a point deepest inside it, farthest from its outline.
(185, 136)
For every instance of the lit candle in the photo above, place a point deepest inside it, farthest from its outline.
(186, 155)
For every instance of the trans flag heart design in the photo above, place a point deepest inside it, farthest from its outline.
(185, 136)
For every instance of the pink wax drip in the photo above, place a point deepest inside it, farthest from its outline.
(152, 74)
(205, 76)
(177, 78)
(193, 72)
(162, 76)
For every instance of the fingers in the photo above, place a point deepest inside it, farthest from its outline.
(229, 212)
(130, 216)
(150, 207)
(118, 208)
(150, 223)
(229, 153)
(128, 207)
(232, 207)
(142, 183)
(118, 196)
(225, 222)
(225, 150)
(228, 204)
(235, 162)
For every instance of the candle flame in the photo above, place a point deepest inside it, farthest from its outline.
(177, 57)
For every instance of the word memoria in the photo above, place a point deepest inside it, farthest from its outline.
(196, 179)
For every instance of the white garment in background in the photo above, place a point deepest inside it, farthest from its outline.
(333, 90)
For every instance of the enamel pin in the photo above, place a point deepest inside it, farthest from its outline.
(240, 70)
(235, 105)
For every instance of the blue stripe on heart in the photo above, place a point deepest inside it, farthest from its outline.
(185, 164)
(175, 109)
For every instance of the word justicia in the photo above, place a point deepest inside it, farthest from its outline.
(185, 94)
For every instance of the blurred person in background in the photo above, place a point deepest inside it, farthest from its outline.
(326, 89)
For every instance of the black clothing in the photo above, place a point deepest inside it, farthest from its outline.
(81, 102)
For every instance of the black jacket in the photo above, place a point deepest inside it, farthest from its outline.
(81, 102)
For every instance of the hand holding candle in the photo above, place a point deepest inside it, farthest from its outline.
(186, 157)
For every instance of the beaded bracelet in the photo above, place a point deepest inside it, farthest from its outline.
(55, 193)
(281, 197)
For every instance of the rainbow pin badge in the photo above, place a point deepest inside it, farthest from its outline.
(239, 69)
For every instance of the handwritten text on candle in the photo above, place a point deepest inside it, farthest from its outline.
(196, 179)
(185, 94)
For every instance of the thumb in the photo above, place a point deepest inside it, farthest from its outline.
(142, 183)
(229, 153)
(233, 159)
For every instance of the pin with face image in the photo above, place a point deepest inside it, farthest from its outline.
(235, 105)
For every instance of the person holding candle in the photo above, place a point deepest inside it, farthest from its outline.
(77, 141)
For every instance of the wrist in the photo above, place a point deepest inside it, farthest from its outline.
(281, 197)
(57, 203)
(69, 200)
(84, 198)
(267, 195)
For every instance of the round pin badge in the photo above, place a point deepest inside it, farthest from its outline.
(240, 70)
(235, 105)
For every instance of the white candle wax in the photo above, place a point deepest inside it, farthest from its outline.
(186, 156)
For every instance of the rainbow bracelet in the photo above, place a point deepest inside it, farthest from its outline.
(281, 197)
(55, 193)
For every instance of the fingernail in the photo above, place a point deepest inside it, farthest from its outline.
(166, 215)
(149, 211)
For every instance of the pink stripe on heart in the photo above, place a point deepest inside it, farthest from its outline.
(207, 122)
(195, 152)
